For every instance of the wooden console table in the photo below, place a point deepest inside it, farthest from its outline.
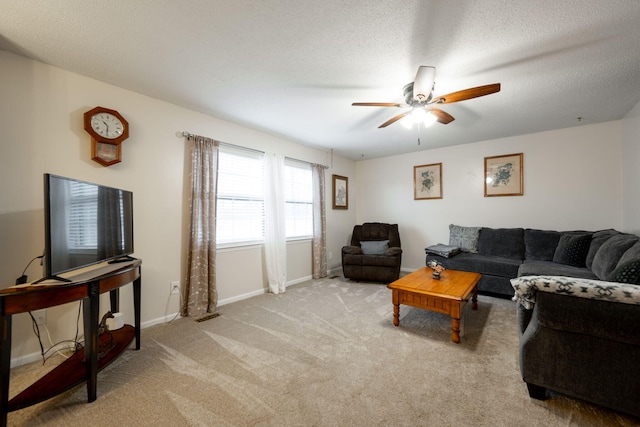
(84, 365)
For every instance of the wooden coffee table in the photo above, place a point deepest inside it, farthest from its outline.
(447, 295)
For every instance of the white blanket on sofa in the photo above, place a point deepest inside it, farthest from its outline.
(526, 288)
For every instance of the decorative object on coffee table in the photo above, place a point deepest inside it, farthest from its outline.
(437, 268)
(503, 175)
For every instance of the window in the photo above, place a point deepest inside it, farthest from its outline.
(298, 194)
(240, 199)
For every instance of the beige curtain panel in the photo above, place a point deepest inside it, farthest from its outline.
(200, 296)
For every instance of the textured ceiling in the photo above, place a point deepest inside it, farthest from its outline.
(292, 68)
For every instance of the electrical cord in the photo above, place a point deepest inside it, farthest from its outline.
(175, 316)
(23, 279)
(76, 344)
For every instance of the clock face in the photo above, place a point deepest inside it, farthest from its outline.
(107, 125)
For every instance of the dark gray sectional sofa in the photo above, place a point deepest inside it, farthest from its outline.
(501, 254)
(578, 306)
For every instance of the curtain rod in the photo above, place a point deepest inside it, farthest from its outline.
(185, 134)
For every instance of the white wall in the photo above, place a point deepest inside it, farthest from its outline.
(631, 170)
(572, 180)
(41, 117)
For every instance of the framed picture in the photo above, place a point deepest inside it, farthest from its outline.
(340, 192)
(503, 175)
(427, 182)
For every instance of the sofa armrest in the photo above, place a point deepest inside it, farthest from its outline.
(526, 288)
(393, 251)
(351, 250)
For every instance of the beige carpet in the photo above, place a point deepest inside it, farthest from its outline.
(325, 353)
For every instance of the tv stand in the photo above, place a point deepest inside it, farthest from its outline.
(83, 366)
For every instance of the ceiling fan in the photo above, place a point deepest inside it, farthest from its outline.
(419, 98)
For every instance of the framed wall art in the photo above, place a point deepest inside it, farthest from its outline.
(503, 175)
(340, 192)
(427, 182)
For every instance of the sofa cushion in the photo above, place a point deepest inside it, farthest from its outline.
(540, 245)
(502, 242)
(572, 249)
(628, 272)
(597, 239)
(490, 265)
(610, 252)
(550, 268)
(375, 247)
(466, 238)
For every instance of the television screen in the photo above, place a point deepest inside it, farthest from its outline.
(85, 224)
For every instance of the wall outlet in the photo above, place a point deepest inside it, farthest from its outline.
(330, 255)
(40, 316)
(175, 287)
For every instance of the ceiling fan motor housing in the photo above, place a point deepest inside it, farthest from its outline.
(408, 96)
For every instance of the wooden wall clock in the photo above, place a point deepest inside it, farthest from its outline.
(107, 129)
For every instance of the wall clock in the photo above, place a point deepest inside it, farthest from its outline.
(108, 128)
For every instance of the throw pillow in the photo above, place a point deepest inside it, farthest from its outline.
(598, 239)
(572, 249)
(628, 272)
(466, 238)
(609, 254)
(376, 247)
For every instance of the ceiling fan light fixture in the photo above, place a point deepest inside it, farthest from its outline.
(419, 116)
(428, 118)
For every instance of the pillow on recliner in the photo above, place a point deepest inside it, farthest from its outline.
(628, 272)
(572, 249)
(375, 247)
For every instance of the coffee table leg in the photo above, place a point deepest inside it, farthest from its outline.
(455, 330)
(395, 299)
(474, 299)
(396, 314)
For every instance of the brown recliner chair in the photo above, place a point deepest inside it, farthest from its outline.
(374, 255)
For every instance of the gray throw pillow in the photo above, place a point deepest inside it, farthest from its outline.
(375, 247)
(597, 239)
(572, 250)
(628, 272)
(466, 238)
(609, 254)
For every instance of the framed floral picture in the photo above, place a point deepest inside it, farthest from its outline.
(503, 175)
(427, 182)
(340, 192)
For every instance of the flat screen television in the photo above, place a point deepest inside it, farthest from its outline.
(85, 224)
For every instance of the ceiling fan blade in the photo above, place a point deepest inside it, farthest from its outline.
(443, 116)
(465, 94)
(423, 84)
(394, 119)
(378, 104)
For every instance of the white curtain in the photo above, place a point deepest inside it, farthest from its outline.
(275, 231)
(319, 246)
(200, 288)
